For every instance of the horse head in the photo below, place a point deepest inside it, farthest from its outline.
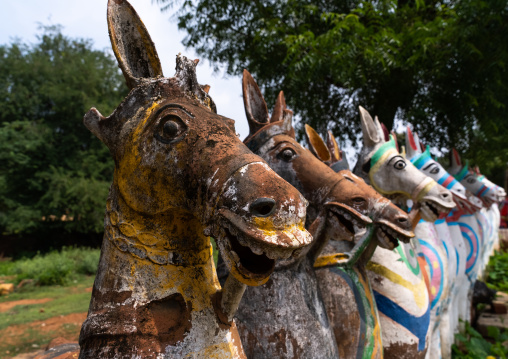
(422, 160)
(486, 193)
(390, 173)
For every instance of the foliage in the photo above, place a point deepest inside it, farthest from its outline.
(56, 267)
(50, 164)
(438, 64)
(497, 270)
(473, 346)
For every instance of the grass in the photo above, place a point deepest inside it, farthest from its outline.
(66, 300)
(61, 276)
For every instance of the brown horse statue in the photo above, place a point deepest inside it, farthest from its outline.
(181, 175)
(341, 267)
(286, 318)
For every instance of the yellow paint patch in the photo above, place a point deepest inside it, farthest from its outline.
(376, 331)
(417, 289)
(330, 260)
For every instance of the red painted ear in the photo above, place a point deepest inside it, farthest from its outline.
(385, 132)
(395, 139)
(278, 110)
(411, 139)
(456, 157)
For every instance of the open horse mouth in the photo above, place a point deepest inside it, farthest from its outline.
(389, 234)
(431, 210)
(350, 221)
(464, 204)
(251, 251)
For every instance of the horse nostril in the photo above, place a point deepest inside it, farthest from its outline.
(262, 207)
(445, 195)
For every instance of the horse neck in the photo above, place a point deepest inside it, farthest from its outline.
(156, 275)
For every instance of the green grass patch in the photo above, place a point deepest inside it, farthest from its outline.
(54, 268)
(66, 300)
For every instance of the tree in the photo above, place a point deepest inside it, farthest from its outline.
(440, 65)
(54, 174)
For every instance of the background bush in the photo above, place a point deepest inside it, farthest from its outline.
(56, 267)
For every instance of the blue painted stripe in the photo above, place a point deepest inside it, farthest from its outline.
(418, 326)
(458, 261)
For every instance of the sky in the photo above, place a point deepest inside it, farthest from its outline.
(87, 19)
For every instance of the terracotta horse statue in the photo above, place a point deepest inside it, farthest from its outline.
(341, 271)
(396, 276)
(181, 175)
(449, 234)
(341, 206)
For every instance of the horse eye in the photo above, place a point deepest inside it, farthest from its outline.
(287, 155)
(171, 129)
(434, 170)
(399, 165)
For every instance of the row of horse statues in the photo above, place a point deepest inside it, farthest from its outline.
(316, 260)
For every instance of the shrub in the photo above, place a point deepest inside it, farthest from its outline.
(57, 267)
(473, 346)
(498, 271)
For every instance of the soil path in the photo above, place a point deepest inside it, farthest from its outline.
(12, 334)
(8, 305)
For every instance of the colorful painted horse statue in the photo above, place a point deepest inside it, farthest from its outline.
(492, 214)
(396, 277)
(471, 227)
(341, 272)
(451, 241)
(181, 174)
(341, 207)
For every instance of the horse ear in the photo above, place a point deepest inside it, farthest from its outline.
(333, 147)
(278, 110)
(395, 139)
(132, 45)
(384, 130)
(411, 145)
(455, 162)
(370, 132)
(316, 144)
(254, 103)
(102, 127)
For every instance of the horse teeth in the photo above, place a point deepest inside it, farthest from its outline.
(256, 250)
(272, 254)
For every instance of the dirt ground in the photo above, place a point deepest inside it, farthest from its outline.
(24, 341)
